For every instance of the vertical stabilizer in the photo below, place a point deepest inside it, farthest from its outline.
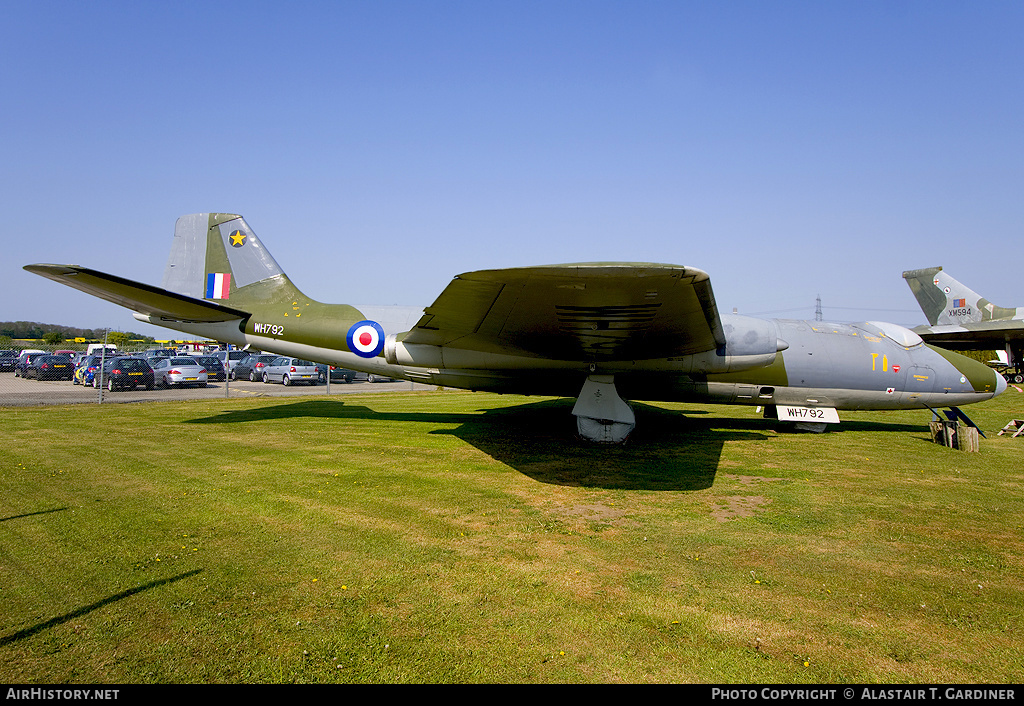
(214, 255)
(946, 301)
(925, 286)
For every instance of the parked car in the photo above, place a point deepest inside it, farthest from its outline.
(86, 369)
(124, 372)
(214, 368)
(180, 371)
(291, 370)
(24, 359)
(337, 374)
(229, 359)
(155, 354)
(50, 367)
(8, 361)
(252, 366)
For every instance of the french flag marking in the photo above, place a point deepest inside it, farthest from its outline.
(218, 285)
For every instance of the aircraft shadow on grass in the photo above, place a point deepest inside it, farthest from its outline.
(669, 450)
(53, 622)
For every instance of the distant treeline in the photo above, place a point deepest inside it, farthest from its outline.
(36, 330)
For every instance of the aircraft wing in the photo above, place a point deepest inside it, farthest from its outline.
(587, 311)
(970, 336)
(143, 298)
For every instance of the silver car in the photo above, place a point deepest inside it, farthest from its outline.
(180, 370)
(290, 371)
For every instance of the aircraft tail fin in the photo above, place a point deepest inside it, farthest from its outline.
(217, 257)
(944, 300)
(222, 283)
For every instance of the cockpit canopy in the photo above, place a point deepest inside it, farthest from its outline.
(899, 335)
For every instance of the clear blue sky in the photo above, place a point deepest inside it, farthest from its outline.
(789, 149)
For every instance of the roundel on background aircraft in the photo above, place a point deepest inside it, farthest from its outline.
(366, 339)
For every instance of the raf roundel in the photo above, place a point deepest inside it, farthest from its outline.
(366, 339)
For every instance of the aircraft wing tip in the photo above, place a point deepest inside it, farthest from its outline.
(50, 266)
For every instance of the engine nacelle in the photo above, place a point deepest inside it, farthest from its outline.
(420, 355)
(749, 343)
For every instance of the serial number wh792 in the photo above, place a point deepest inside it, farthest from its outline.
(804, 413)
(812, 415)
(272, 329)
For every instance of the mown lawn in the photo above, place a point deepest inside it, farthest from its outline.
(460, 537)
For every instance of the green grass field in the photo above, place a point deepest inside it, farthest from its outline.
(459, 537)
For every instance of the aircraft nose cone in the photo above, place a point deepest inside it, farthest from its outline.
(981, 378)
(993, 381)
(1000, 384)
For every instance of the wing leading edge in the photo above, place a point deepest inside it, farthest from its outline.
(586, 311)
(142, 298)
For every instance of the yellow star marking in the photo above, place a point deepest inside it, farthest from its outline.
(237, 239)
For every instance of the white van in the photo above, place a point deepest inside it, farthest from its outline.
(97, 348)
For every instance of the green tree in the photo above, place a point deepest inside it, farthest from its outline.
(54, 338)
(118, 338)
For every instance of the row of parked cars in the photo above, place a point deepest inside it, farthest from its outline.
(253, 367)
(164, 367)
(37, 364)
(70, 365)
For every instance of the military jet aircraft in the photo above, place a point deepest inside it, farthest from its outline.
(961, 319)
(599, 332)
